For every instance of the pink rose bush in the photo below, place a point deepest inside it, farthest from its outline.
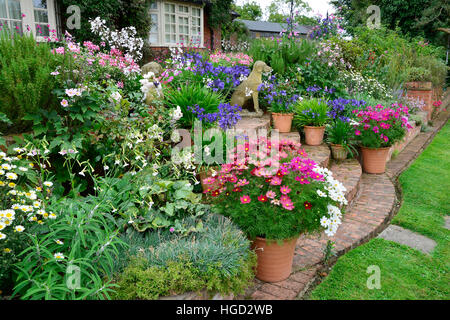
(380, 127)
(273, 190)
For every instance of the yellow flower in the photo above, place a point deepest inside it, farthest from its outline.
(38, 189)
(7, 250)
(19, 156)
(2, 184)
(31, 165)
(11, 184)
(40, 222)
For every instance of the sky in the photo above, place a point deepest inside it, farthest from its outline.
(318, 6)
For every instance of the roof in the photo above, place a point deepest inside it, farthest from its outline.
(265, 26)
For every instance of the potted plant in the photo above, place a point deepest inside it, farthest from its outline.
(280, 98)
(341, 139)
(275, 194)
(377, 130)
(312, 115)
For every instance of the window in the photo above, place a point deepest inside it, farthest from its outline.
(11, 15)
(37, 16)
(175, 24)
(41, 18)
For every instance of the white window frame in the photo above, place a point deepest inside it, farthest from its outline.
(160, 12)
(27, 9)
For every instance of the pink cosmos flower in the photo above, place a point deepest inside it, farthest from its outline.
(245, 199)
(209, 180)
(270, 194)
(288, 206)
(357, 132)
(302, 180)
(285, 199)
(285, 190)
(64, 103)
(275, 181)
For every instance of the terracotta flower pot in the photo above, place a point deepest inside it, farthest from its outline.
(282, 121)
(314, 135)
(274, 260)
(374, 160)
(339, 152)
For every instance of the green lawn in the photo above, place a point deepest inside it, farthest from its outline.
(405, 272)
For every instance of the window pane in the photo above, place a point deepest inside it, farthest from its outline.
(40, 16)
(153, 5)
(40, 4)
(17, 26)
(196, 12)
(3, 13)
(183, 9)
(154, 18)
(169, 8)
(153, 38)
(14, 9)
(42, 30)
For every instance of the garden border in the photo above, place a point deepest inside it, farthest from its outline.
(375, 215)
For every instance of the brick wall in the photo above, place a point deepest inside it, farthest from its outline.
(426, 96)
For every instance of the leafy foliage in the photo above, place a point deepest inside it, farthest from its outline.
(25, 81)
(160, 264)
(190, 96)
(311, 112)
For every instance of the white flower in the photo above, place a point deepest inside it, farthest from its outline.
(59, 256)
(48, 184)
(19, 228)
(2, 236)
(106, 168)
(321, 194)
(59, 242)
(6, 166)
(11, 176)
(116, 97)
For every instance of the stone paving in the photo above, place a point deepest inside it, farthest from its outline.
(408, 238)
(373, 201)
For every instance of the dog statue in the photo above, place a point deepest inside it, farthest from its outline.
(248, 89)
(153, 91)
(154, 67)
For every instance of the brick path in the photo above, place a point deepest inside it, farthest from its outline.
(372, 199)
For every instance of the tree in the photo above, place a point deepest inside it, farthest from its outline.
(249, 11)
(281, 10)
(413, 17)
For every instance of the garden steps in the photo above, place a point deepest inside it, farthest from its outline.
(247, 124)
(348, 172)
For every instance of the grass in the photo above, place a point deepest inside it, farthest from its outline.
(405, 272)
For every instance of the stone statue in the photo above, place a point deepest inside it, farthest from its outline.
(154, 67)
(248, 89)
(150, 86)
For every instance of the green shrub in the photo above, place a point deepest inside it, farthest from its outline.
(311, 112)
(192, 96)
(25, 81)
(161, 263)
